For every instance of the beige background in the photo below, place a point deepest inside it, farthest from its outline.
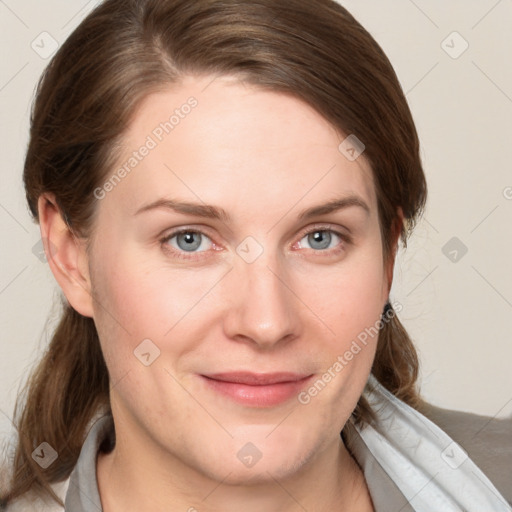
(458, 312)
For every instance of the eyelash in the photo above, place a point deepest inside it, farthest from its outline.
(191, 256)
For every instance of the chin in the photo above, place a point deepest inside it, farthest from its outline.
(256, 459)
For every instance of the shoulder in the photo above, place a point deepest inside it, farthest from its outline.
(487, 441)
(30, 501)
(428, 455)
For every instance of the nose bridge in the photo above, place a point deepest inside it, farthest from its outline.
(262, 305)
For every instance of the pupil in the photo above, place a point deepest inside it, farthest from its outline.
(188, 238)
(323, 238)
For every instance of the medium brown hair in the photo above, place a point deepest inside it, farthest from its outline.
(88, 95)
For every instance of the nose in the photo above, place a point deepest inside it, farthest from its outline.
(263, 309)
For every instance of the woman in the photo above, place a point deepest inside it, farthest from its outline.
(221, 188)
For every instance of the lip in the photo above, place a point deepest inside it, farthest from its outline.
(257, 389)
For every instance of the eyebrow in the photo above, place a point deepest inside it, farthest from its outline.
(213, 212)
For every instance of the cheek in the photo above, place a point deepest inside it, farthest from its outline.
(349, 303)
(348, 298)
(140, 298)
(350, 308)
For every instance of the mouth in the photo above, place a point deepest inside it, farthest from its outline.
(257, 389)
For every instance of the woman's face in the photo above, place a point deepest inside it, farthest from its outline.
(253, 285)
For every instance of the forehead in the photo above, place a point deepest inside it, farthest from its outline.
(222, 141)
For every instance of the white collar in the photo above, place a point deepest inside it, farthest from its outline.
(430, 469)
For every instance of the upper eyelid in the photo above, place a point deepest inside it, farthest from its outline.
(325, 227)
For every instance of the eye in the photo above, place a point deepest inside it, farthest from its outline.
(323, 239)
(188, 244)
(186, 241)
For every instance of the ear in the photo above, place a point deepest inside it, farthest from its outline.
(395, 234)
(66, 255)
